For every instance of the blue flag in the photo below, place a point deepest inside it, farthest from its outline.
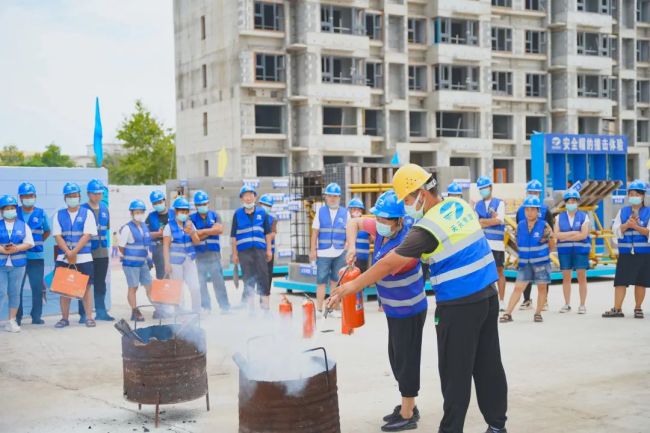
(97, 138)
(395, 159)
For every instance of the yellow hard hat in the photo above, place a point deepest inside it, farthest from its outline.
(409, 178)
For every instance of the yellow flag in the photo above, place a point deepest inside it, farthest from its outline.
(223, 162)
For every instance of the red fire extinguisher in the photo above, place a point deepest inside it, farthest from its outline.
(308, 318)
(353, 315)
(285, 307)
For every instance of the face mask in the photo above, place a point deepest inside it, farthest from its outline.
(10, 214)
(159, 208)
(182, 217)
(139, 217)
(571, 207)
(29, 202)
(249, 205)
(72, 201)
(333, 206)
(202, 209)
(485, 192)
(635, 201)
(355, 214)
(384, 229)
(412, 211)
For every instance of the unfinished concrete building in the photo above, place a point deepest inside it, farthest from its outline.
(292, 85)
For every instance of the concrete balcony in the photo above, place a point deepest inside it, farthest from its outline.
(590, 63)
(602, 22)
(465, 145)
(349, 94)
(449, 8)
(448, 53)
(354, 145)
(594, 106)
(335, 43)
(455, 100)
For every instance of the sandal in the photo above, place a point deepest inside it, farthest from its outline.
(613, 313)
(136, 315)
(90, 323)
(62, 323)
(638, 313)
(506, 318)
(538, 318)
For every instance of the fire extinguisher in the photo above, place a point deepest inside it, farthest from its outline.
(308, 318)
(285, 308)
(353, 315)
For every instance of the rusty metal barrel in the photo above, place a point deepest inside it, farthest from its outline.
(269, 406)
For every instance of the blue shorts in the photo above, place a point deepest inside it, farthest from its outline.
(137, 276)
(327, 268)
(85, 268)
(573, 261)
(538, 274)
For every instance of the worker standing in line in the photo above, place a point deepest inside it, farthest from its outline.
(534, 188)
(266, 203)
(404, 302)
(99, 248)
(492, 215)
(179, 240)
(156, 221)
(362, 243)
(328, 242)
(37, 220)
(208, 252)
(252, 241)
(134, 242)
(533, 235)
(454, 190)
(72, 228)
(573, 247)
(447, 234)
(15, 239)
(631, 227)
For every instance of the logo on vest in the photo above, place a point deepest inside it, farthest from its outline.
(536, 235)
(78, 219)
(35, 219)
(451, 210)
(259, 217)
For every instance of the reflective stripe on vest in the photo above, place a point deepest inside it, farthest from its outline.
(632, 241)
(573, 247)
(468, 267)
(135, 253)
(17, 237)
(181, 246)
(102, 220)
(332, 233)
(211, 243)
(362, 245)
(73, 231)
(250, 234)
(36, 223)
(531, 249)
(494, 233)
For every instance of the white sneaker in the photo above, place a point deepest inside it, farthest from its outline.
(565, 309)
(336, 314)
(12, 326)
(582, 310)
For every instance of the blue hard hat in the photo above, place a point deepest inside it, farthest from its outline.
(26, 188)
(388, 206)
(571, 193)
(95, 186)
(357, 203)
(156, 196)
(532, 201)
(247, 188)
(332, 189)
(201, 197)
(181, 203)
(534, 186)
(637, 185)
(267, 200)
(8, 200)
(483, 182)
(454, 188)
(137, 205)
(71, 188)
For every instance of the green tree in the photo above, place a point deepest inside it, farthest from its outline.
(52, 157)
(11, 155)
(150, 157)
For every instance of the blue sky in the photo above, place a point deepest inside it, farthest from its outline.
(57, 55)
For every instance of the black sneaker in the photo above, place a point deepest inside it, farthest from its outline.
(401, 424)
(496, 430)
(396, 413)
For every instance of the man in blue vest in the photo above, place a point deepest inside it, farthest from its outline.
(362, 243)
(454, 190)
(134, 242)
(448, 235)
(251, 243)
(156, 221)
(208, 252)
(72, 228)
(328, 241)
(491, 215)
(37, 221)
(15, 239)
(99, 247)
(266, 203)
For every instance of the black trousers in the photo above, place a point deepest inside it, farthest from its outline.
(468, 346)
(158, 260)
(255, 272)
(527, 291)
(270, 271)
(405, 351)
(100, 270)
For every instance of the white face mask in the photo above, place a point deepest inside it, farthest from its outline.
(139, 217)
(411, 210)
(72, 201)
(249, 205)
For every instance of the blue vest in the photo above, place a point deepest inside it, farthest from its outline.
(521, 213)
(573, 247)
(16, 238)
(181, 246)
(154, 220)
(36, 223)
(73, 231)
(531, 250)
(101, 240)
(211, 243)
(401, 295)
(250, 235)
(363, 245)
(632, 241)
(271, 221)
(135, 254)
(332, 233)
(493, 233)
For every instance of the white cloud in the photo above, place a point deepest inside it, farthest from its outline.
(56, 56)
